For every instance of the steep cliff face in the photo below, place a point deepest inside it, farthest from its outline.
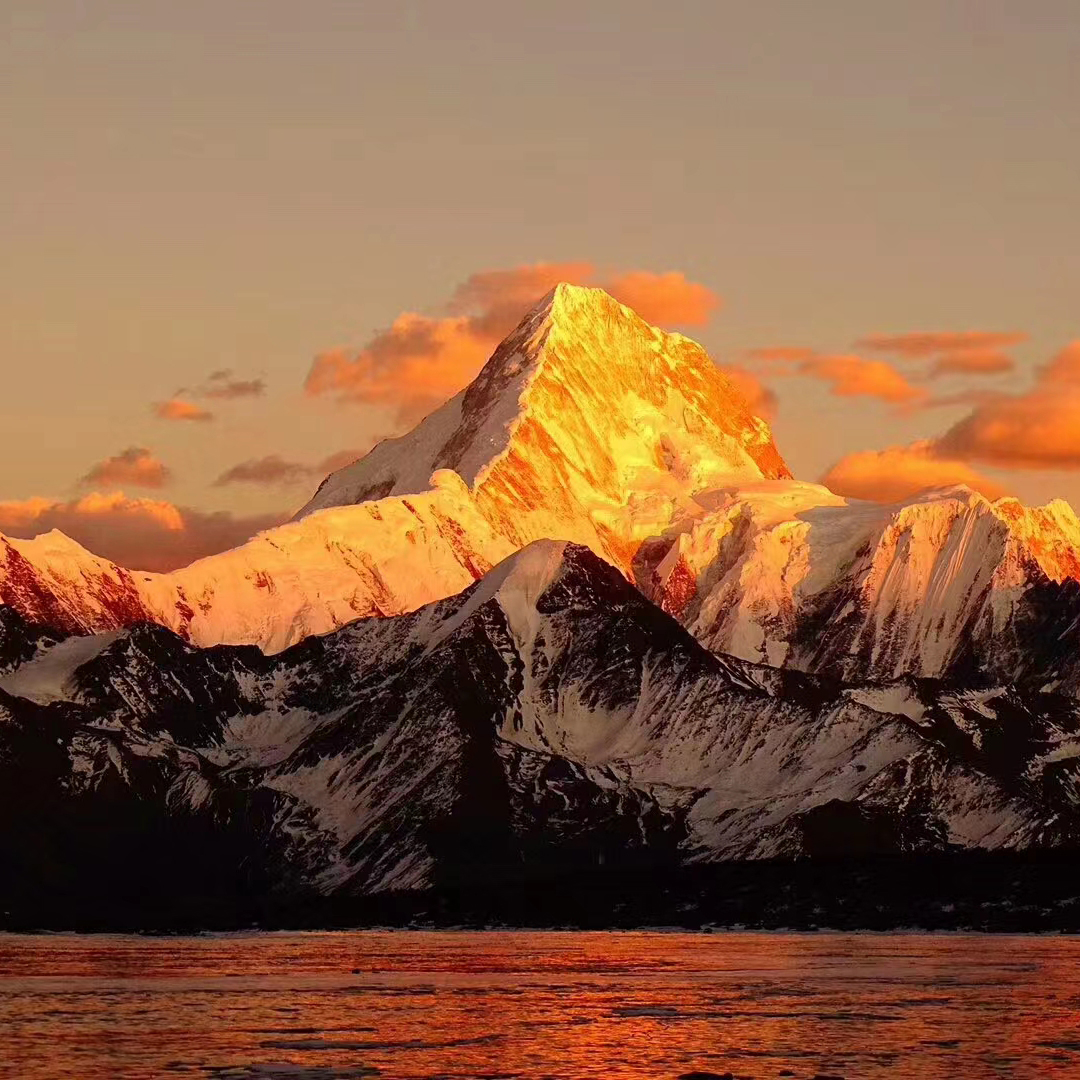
(950, 583)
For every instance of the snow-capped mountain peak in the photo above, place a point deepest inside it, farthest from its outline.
(585, 415)
(588, 425)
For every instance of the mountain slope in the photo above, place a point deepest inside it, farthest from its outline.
(549, 717)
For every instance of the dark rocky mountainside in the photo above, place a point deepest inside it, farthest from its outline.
(546, 729)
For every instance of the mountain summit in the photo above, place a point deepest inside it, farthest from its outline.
(586, 423)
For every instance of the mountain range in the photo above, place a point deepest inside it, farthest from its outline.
(581, 622)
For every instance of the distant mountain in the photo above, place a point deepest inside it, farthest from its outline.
(547, 721)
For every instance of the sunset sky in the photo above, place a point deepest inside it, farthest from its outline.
(243, 240)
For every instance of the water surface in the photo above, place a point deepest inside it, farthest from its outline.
(622, 1006)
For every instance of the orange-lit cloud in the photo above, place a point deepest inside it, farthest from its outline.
(848, 375)
(421, 360)
(923, 346)
(143, 534)
(897, 473)
(972, 362)
(1037, 429)
(495, 300)
(759, 398)
(855, 376)
(664, 299)
(413, 367)
(135, 465)
(275, 471)
(177, 409)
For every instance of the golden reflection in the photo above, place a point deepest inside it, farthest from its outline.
(623, 1006)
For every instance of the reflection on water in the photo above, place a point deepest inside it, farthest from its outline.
(612, 1005)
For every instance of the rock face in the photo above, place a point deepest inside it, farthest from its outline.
(588, 425)
(549, 715)
(949, 584)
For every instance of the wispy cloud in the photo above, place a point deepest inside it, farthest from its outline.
(275, 471)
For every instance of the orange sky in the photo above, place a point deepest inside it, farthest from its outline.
(238, 250)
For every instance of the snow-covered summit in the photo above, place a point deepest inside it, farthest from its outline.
(586, 423)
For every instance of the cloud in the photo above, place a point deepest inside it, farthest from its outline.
(135, 465)
(176, 409)
(1037, 429)
(855, 376)
(222, 384)
(143, 534)
(899, 472)
(972, 362)
(420, 361)
(413, 367)
(664, 299)
(759, 398)
(275, 471)
(495, 300)
(270, 470)
(926, 345)
(848, 375)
